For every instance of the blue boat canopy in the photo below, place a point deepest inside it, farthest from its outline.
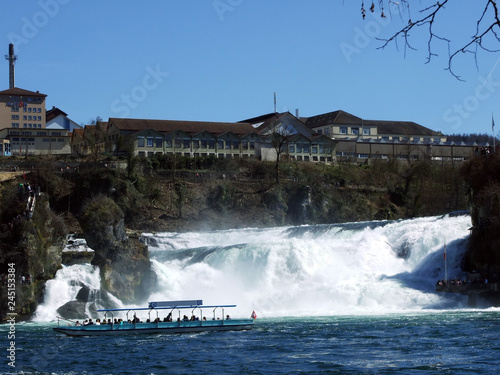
(164, 305)
(189, 302)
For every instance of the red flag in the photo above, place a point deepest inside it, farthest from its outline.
(254, 315)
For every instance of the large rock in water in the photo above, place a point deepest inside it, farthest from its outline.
(124, 262)
(76, 310)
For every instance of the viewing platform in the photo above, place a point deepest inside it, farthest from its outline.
(473, 286)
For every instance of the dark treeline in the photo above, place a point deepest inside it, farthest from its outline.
(480, 139)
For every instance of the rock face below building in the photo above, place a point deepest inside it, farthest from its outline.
(124, 262)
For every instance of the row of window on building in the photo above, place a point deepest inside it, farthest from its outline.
(27, 125)
(39, 133)
(27, 117)
(187, 143)
(26, 109)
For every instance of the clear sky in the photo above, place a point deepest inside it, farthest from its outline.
(223, 60)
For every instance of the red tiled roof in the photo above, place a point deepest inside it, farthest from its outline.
(20, 92)
(190, 127)
(336, 117)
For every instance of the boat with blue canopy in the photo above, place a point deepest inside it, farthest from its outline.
(170, 323)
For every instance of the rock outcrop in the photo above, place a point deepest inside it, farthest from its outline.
(124, 262)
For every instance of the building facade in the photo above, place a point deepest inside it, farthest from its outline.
(22, 109)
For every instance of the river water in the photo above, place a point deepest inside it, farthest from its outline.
(348, 299)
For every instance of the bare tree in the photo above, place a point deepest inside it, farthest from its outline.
(486, 36)
(280, 136)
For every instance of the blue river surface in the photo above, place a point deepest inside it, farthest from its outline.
(433, 342)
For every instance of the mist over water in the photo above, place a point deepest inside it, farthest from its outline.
(344, 269)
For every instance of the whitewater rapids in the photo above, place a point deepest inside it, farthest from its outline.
(372, 267)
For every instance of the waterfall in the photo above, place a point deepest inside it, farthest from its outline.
(354, 268)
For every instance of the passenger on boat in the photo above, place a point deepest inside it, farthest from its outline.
(98, 322)
(227, 317)
(77, 323)
(185, 318)
(90, 322)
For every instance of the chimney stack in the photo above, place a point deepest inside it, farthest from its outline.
(12, 59)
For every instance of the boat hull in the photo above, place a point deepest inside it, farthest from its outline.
(161, 327)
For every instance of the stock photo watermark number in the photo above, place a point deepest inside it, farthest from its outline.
(11, 306)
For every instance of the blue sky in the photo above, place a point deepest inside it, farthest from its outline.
(223, 60)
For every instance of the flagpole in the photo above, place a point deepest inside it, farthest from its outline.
(445, 265)
(493, 131)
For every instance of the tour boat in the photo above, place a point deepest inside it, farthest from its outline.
(156, 324)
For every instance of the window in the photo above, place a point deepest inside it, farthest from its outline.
(178, 143)
(327, 131)
(168, 143)
(25, 117)
(211, 144)
(149, 142)
(186, 143)
(159, 142)
(355, 131)
(204, 143)
(314, 149)
(299, 147)
(291, 149)
(220, 145)
(306, 149)
(252, 145)
(366, 131)
(228, 145)
(343, 130)
(320, 131)
(140, 141)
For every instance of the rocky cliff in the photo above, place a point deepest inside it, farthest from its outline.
(482, 175)
(124, 262)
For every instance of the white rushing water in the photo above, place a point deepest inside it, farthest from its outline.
(349, 268)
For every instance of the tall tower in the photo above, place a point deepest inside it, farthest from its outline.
(12, 59)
